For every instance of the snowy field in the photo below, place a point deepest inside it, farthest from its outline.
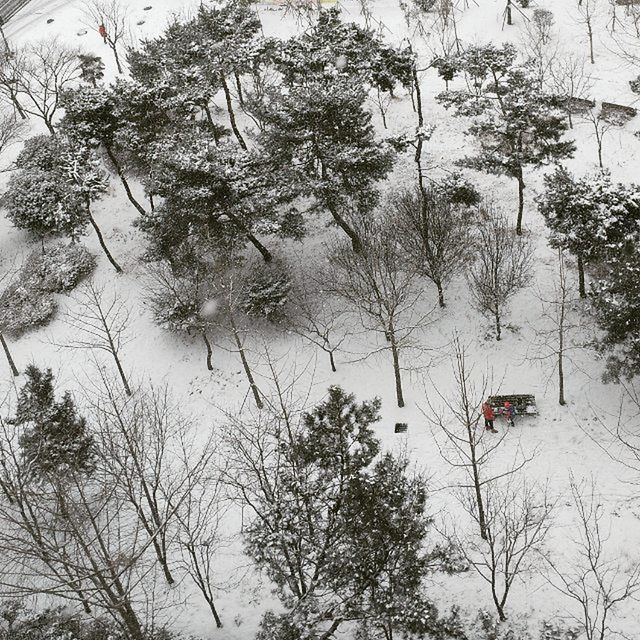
(562, 442)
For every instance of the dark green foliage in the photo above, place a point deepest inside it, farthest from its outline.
(616, 301)
(515, 123)
(333, 48)
(27, 302)
(91, 68)
(55, 438)
(266, 291)
(344, 538)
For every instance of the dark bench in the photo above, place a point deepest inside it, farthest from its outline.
(525, 404)
(617, 113)
(580, 105)
(627, 3)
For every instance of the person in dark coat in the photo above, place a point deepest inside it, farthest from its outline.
(489, 417)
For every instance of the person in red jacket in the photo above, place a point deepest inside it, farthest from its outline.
(489, 417)
(103, 32)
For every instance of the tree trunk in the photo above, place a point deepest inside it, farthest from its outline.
(50, 126)
(482, 518)
(266, 254)
(239, 89)
(561, 399)
(123, 377)
(332, 361)
(116, 56)
(441, 301)
(123, 179)
(209, 351)
(232, 115)
(18, 106)
(498, 327)
(581, 285)
(590, 31)
(245, 363)
(520, 201)
(396, 366)
(115, 265)
(12, 364)
(356, 243)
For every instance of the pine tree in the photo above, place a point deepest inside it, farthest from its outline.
(91, 68)
(588, 216)
(616, 302)
(215, 196)
(343, 536)
(55, 437)
(516, 124)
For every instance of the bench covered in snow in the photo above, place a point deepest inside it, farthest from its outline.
(525, 404)
(617, 113)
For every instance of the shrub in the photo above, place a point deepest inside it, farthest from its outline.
(24, 307)
(61, 267)
(27, 303)
(266, 292)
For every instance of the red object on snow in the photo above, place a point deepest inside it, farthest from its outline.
(102, 31)
(487, 411)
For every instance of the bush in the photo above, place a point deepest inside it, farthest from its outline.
(266, 292)
(24, 307)
(60, 268)
(27, 303)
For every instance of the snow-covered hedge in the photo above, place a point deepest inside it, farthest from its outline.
(61, 267)
(28, 303)
(23, 307)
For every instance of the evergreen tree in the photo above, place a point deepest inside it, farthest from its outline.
(55, 437)
(588, 216)
(54, 189)
(345, 159)
(91, 68)
(216, 196)
(343, 535)
(616, 302)
(517, 125)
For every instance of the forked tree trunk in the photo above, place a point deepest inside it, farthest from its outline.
(7, 353)
(441, 301)
(332, 361)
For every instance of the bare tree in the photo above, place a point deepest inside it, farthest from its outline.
(5, 347)
(571, 81)
(601, 127)
(502, 267)
(100, 322)
(458, 419)
(148, 454)
(111, 15)
(200, 538)
(69, 537)
(596, 579)
(538, 44)
(381, 286)
(555, 343)
(42, 72)
(315, 315)
(9, 66)
(11, 130)
(587, 12)
(517, 523)
(433, 232)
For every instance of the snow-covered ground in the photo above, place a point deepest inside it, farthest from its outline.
(567, 441)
